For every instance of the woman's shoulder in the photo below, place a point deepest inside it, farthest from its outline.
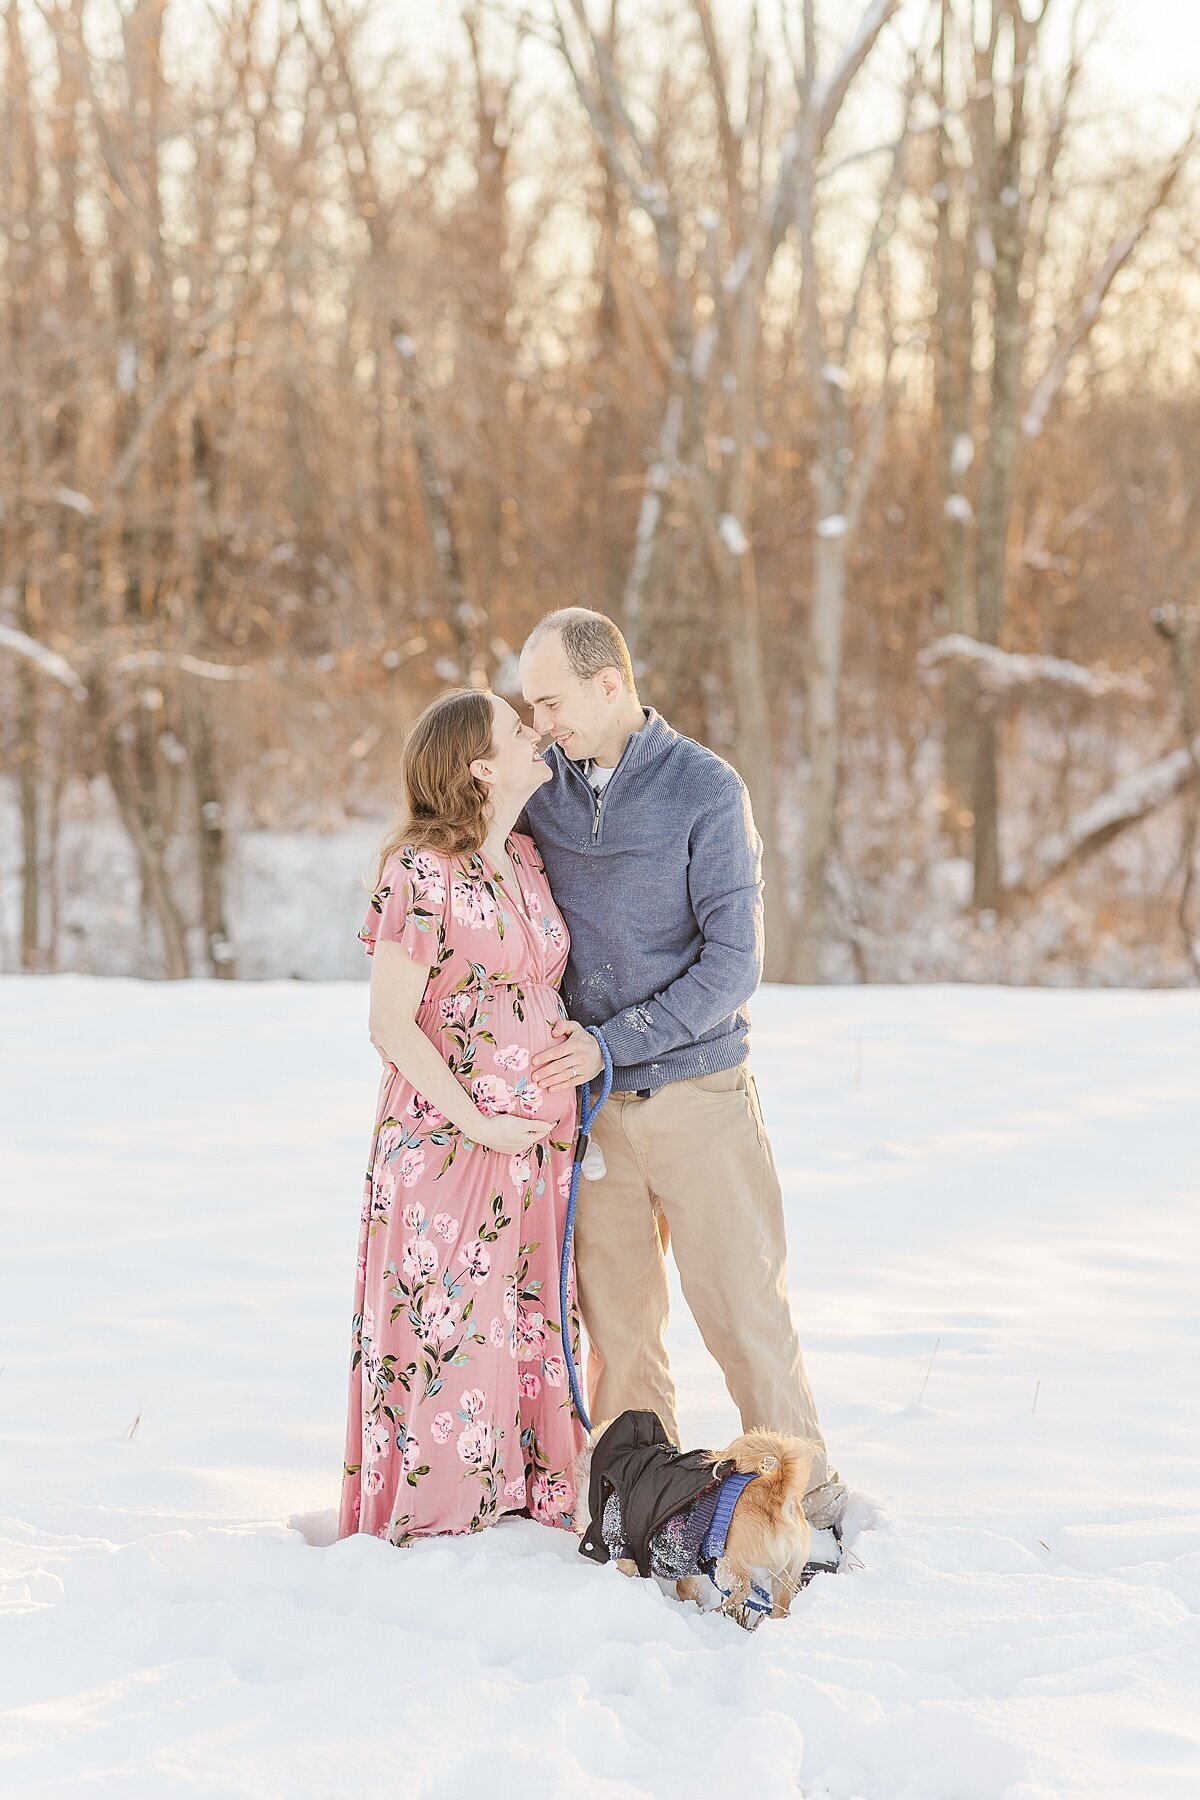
(418, 863)
(418, 857)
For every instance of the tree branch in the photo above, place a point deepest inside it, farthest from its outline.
(1001, 672)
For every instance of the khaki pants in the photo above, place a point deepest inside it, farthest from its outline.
(690, 1167)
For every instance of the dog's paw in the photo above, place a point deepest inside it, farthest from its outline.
(696, 1588)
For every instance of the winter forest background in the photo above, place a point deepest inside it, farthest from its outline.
(848, 356)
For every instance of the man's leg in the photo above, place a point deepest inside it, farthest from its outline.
(621, 1274)
(710, 1163)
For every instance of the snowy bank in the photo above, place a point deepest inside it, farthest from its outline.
(1009, 1175)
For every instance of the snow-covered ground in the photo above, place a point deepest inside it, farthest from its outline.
(1010, 1175)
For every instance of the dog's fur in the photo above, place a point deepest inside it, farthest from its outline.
(769, 1536)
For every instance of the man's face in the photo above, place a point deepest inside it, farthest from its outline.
(577, 712)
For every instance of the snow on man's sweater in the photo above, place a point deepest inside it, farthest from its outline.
(659, 879)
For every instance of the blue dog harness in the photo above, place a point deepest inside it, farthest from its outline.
(712, 1549)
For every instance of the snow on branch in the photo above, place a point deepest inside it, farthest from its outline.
(1126, 804)
(38, 495)
(823, 103)
(996, 671)
(57, 667)
(191, 665)
(828, 95)
(48, 661)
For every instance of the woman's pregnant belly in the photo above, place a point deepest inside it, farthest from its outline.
(492, 1056)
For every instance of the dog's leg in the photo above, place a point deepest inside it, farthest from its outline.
(691, 1587)
(737, 1592)
(627, 1565)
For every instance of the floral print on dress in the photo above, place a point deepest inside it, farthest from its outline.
(459, 1408)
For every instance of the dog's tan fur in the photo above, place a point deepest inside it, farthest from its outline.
(769, 1536)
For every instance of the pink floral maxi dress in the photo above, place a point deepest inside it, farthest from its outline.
(459, 1408)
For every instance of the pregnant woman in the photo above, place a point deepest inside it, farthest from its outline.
(459, 1405)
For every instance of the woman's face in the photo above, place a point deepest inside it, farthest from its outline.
(513, 769)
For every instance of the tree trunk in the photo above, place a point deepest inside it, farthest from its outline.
(824, 673)
(29, 735)
(756, 761)
(123, 754)
(20, 543)
(823, 691)
(953, 344)
(210, 835)
(996, 481)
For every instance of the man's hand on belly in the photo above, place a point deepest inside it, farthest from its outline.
(574, 1057)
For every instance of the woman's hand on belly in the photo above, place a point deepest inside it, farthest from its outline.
(510, 1135)
(512, 1084)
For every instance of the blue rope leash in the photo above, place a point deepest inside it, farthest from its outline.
(587, 1119)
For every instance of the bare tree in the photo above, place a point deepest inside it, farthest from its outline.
(841, 473)
(1180, 626)
(713, 355)
(327, 366)
(994, 219)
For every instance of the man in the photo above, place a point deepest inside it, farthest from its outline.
(654, 861)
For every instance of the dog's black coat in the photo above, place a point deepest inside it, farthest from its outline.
(653, 1480)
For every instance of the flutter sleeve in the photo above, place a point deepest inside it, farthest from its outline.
(409, 906)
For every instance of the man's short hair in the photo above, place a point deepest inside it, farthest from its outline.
(590, 641)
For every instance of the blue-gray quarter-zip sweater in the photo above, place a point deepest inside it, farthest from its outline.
(659, 879)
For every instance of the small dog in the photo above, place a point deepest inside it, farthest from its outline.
(656, 1510)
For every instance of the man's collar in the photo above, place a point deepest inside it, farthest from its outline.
(639, 745)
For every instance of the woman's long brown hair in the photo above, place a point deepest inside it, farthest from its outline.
(441, 804)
